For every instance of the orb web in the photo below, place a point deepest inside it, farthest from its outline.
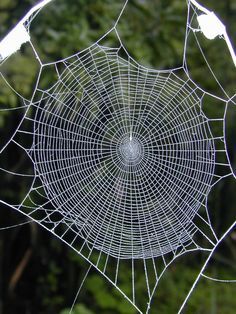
(128, 157)
(123, 160)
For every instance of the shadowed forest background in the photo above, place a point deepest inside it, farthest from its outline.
(38, 273)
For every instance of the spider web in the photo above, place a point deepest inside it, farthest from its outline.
(123, 160)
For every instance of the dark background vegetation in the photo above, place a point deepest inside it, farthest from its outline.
(40, 274)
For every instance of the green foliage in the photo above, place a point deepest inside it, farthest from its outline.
(107, 302)
(78, 309)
